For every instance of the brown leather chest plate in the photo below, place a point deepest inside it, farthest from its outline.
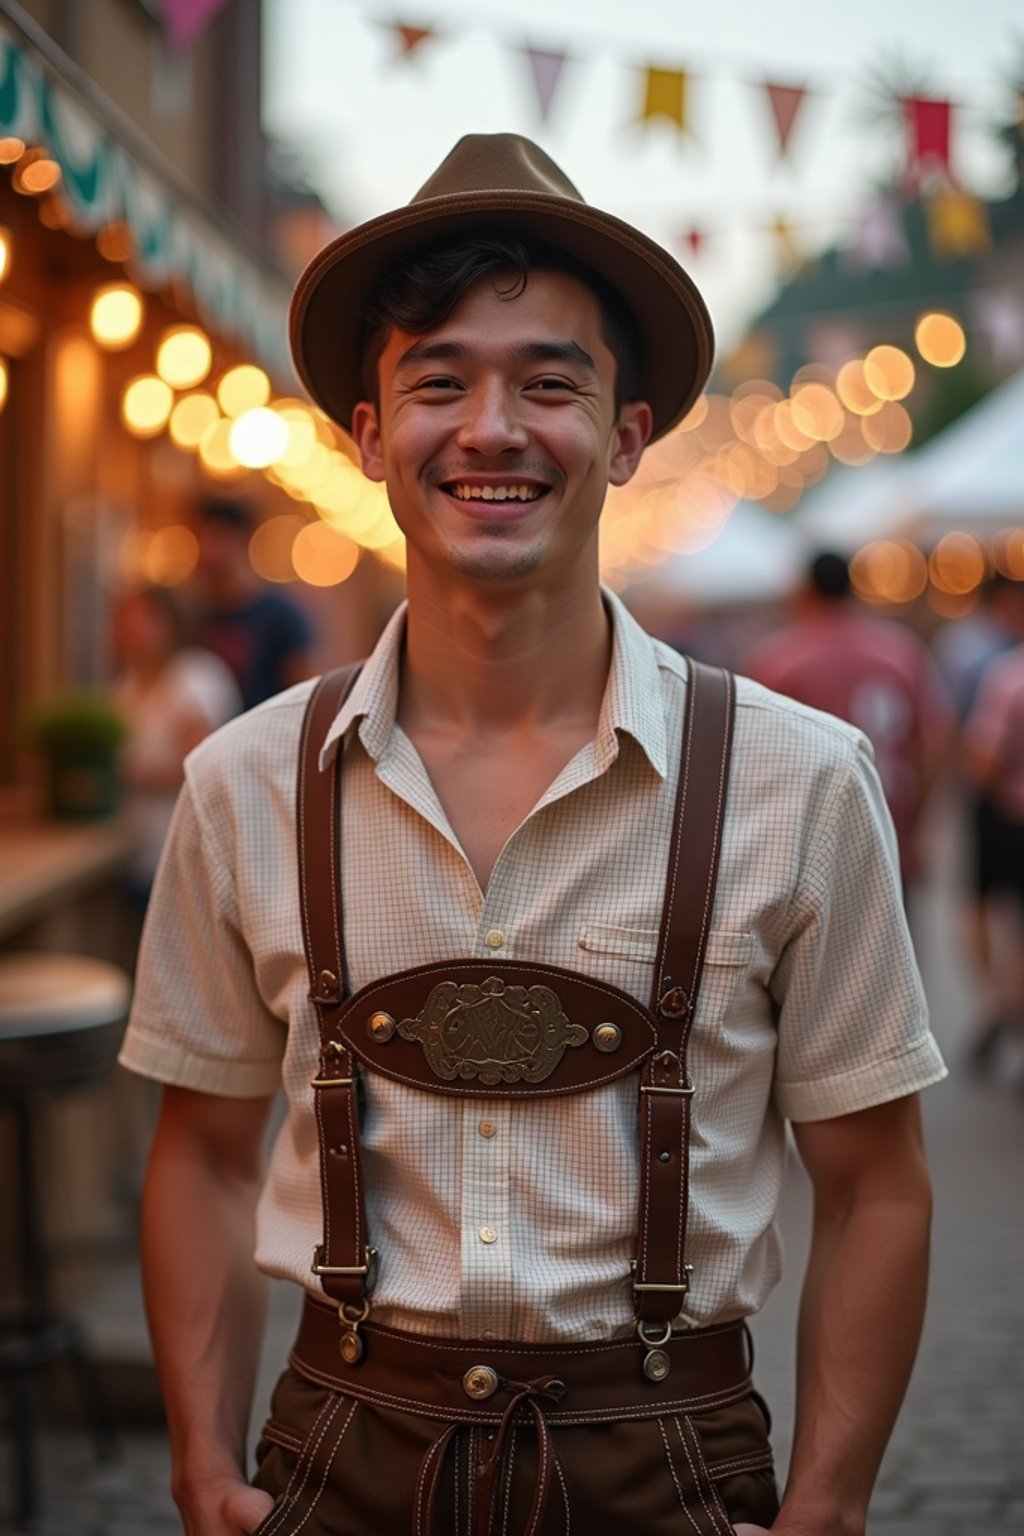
(481, 1029)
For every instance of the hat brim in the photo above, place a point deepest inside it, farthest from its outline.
(677, 339)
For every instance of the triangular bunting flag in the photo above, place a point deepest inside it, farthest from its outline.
(957, 225)
(928, 135)
(693, 239)
(410, 38)
(665, 96)
(785, 102)
(186, 19)
(546, 71)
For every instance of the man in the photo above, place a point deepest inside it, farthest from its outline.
(871, 672)
(535, 1308)
(262, 635)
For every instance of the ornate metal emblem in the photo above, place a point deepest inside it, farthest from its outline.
(492, 1032)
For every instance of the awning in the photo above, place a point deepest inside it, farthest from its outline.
(178, 243)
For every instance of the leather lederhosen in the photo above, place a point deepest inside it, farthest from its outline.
(489, 1029)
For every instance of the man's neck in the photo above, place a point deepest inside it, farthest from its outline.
(492, 658)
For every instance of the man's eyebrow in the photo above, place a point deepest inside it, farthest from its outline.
(570, 352)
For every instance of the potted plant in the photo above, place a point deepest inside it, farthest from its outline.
(78, 735)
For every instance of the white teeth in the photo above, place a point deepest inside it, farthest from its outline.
(466, 492)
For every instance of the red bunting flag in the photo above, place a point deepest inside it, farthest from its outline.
(693, 240)
(546, 70)
(186, 19)
(410, 38)
(928, 125)
(785, 102)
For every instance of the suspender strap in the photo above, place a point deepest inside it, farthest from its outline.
(661, 1273)
(344, 1261)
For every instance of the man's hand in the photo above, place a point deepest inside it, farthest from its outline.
(228, 1508)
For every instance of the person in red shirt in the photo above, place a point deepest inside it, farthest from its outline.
(872, 673)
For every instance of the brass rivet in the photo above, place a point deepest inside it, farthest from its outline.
(664, 1157)
(607, 1037)
(327, 983)
(656, 1365)
(381, 1027)
(480, 1381)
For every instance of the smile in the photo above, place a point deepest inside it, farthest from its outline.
(466, 490)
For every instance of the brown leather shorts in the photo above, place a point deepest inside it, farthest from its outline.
(341, 1465)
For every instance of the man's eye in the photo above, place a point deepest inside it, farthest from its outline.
(551, 382)
(440, 382)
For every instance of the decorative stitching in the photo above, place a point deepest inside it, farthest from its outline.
(326, 1412)
(687, 1511)
(508, 1478)
(702, 1484)
(565, 1497)
(328, 1464)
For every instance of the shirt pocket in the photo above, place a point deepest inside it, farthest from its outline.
(727, 950)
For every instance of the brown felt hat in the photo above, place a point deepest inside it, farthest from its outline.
(491, 183)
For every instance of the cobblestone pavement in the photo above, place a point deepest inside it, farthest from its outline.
(954, 1467)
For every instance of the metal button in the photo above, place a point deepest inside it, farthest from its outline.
(488, 1235)
(380, 1027)
(480, 1381)
(656, 1365)
(487, 1128)
(607, 1037)
(494, 939)
(351, 1347)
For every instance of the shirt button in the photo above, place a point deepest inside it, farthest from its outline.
(488, 1235)
(487, 1128)
(495, 939)
(488, 1333)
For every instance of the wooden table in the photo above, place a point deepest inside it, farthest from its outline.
(45, 865)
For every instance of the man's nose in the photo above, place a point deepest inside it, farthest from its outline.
(490, 422)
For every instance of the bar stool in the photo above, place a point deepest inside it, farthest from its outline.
(61, 1020)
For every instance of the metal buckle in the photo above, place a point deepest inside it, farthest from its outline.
(686, 1091)
(650, 1285)
(331, 1082)
(369, 1269)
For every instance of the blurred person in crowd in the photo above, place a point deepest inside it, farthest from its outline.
(171, 696)
(964, 647)
(262, 635)
(994, 762)
(873, 673)
(528, 1174)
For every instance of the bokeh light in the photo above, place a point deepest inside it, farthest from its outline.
(115, 315)
(890, 571)
(215, 451)
(6, 252)
(172, 555)
(11, 150)
(146, 405)
(323, 556)
(244, 388)
(889, 373)
(957, 564)
(270, 548)
(1008, 553)
(4, 385)
(184, 356)
(889, 430)
(816, 412)
(191, 417)
(36, 173)
(940, 340)
(853, 388)
(258, 437)
(851, 446)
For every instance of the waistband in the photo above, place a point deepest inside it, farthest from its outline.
(474, 1381)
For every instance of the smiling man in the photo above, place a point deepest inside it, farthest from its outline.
(574, 928)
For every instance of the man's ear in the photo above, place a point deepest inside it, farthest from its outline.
(633, 431)
(366, 436)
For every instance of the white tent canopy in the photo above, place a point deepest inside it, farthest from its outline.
(757, 557)
(851, 506)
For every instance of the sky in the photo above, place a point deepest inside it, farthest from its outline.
(372, 126)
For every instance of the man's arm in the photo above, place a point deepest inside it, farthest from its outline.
(860, 1312)
(205, 1299)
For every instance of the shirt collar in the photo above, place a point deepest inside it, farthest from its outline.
(632, 700)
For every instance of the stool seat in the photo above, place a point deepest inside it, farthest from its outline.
(61, 1019)
(44, 993)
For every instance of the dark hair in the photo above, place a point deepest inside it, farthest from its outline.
(227, 511)
(420, 291)
(829, 576)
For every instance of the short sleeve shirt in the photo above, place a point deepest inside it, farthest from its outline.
(517, 1220)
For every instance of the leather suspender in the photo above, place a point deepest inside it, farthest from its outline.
(661, 1275)
(345, 1261)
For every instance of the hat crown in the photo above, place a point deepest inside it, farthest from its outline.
(497, 162)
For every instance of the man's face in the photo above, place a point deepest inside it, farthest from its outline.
(497, 434)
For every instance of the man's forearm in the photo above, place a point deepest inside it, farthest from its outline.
(860, 1322)
(206, 1304)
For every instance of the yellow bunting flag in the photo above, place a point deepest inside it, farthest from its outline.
(665, 96)
(957, 225)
